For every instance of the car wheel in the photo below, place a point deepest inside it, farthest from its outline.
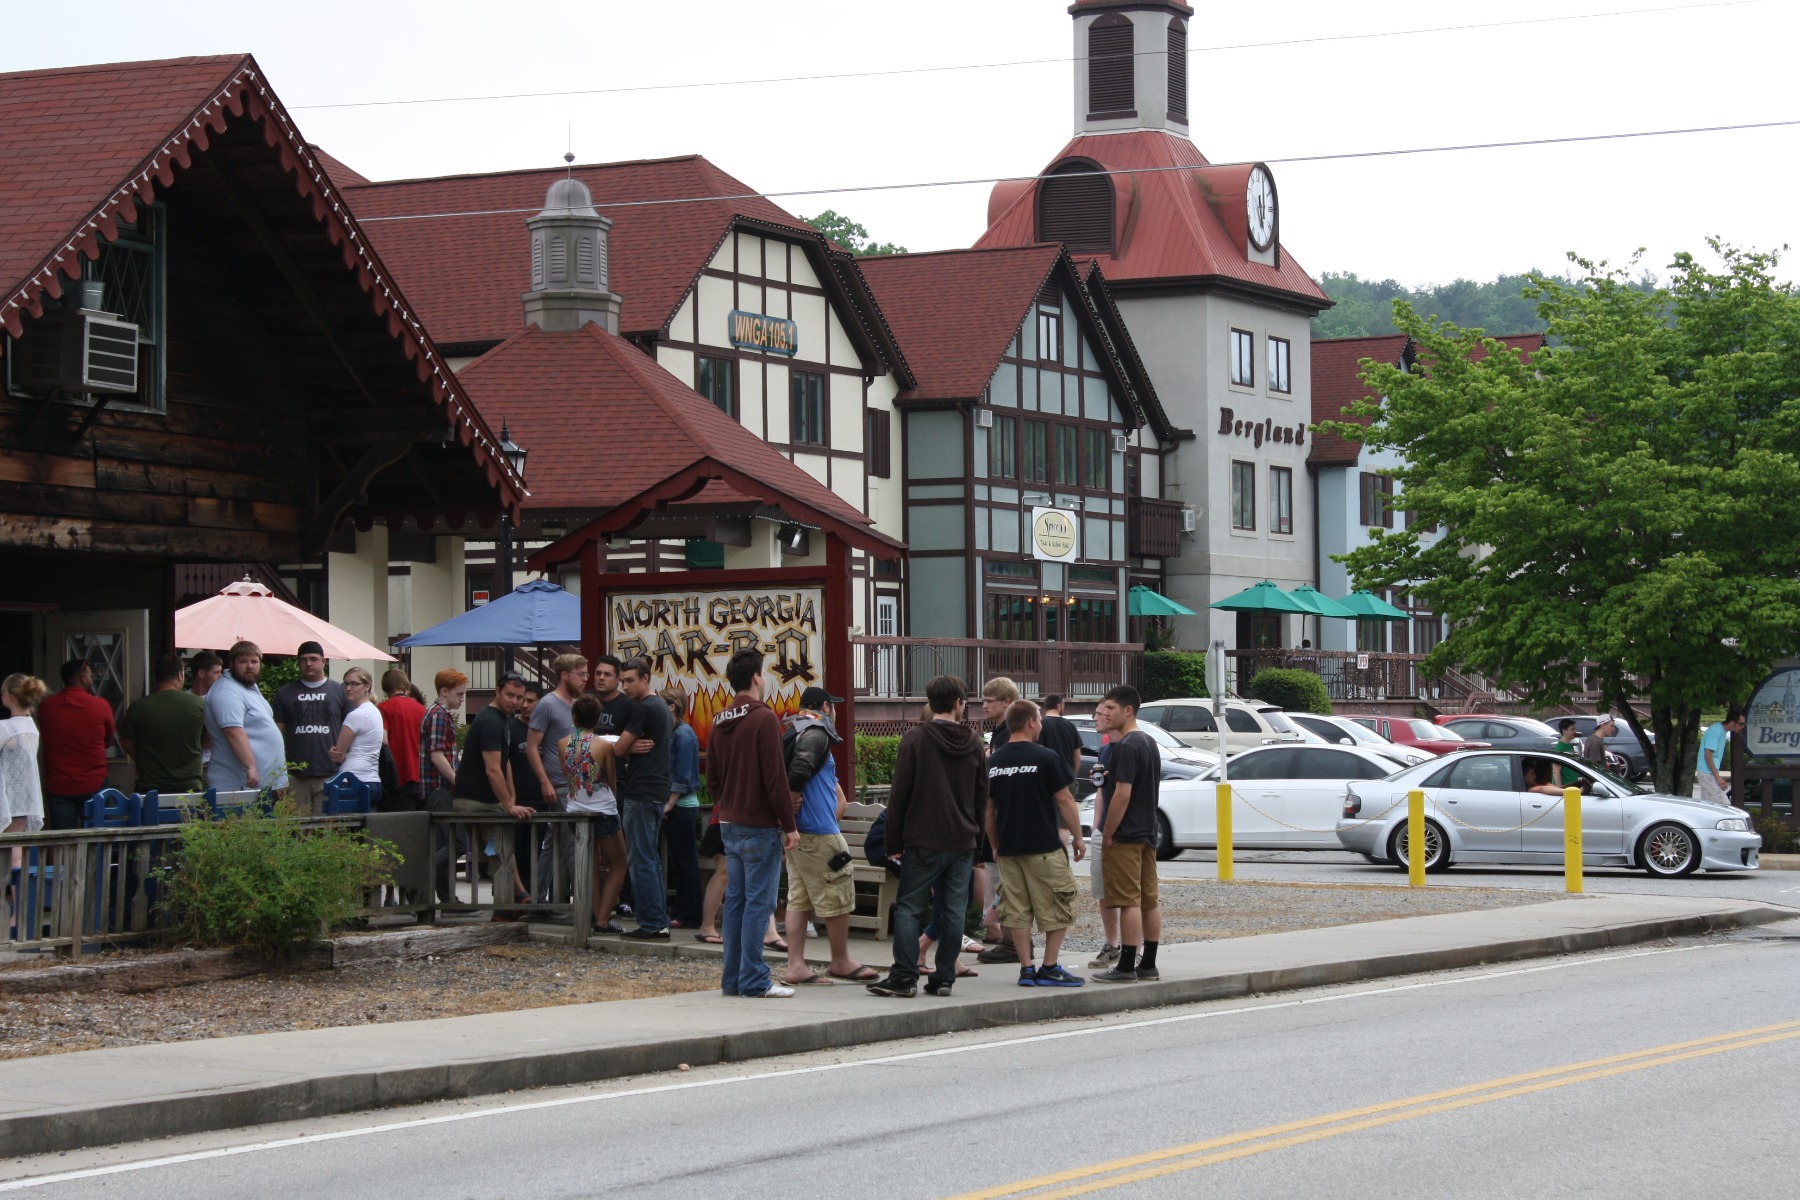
(1437, 848)
(1669, 851)
(1380, 862)
(1165, 840)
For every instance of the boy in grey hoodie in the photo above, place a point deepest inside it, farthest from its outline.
(935, 810)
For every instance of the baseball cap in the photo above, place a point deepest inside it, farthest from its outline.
(818, 697)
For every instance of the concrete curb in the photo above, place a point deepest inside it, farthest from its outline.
(207, 1110)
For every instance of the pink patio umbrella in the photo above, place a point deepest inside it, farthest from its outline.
(248, 611)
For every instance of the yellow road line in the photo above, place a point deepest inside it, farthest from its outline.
(1188, 1157)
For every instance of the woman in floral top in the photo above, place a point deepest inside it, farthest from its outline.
(592, 772)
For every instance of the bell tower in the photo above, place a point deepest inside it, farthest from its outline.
(1131, 65)
(569, 263)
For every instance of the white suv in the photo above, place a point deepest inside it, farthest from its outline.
(1248, 723)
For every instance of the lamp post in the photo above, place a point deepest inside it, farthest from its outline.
(515, 458)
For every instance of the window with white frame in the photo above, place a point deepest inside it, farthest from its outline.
(1281, 500)
(1243, 495)
(1243, 357)
(1279, 351)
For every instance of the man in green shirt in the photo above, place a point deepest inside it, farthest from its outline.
(1566, 776)
(164, 732)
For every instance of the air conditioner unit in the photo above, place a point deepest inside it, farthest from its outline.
(78, 350)
(1120, 442)
(984, 418)
(1190, 520)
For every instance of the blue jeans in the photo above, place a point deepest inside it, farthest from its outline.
(949, 872)
(643, 846)
(753, 869)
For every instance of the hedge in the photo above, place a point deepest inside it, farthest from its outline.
(1296, 691)
(875, 754)
(1172, 674)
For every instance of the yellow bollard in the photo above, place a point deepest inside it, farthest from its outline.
(1572, 839)
(1225, 865)
(1415, 838)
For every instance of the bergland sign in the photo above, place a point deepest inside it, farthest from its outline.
(1772, 718)
(688, 637)
(1054, 535)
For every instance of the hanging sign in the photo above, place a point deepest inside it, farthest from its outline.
(1772, 718)
(1054, 535)
(753, 331)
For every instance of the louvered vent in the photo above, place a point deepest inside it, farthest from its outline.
(537, 262)
(584, 261)
(1075, 207)
(1178, 98)
(559, 260)
(1110, 67)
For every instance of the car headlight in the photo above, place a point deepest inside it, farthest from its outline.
(1734, 824)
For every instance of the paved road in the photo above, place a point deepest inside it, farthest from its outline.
(1645, 1072)
(1328, 866)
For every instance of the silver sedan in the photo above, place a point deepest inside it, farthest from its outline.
(1479, 809)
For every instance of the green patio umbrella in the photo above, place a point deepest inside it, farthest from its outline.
(1264, 597)
(1369, 606)
(1143, 602)
(1318, 602)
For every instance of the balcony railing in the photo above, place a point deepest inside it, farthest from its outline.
(899, 668)
(1348, 675)
(1153, 527)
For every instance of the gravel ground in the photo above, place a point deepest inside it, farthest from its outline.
(526, 975)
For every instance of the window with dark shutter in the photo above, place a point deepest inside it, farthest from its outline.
(880, 444)
(1110, 67)
(1178, 69)
(1075, 207)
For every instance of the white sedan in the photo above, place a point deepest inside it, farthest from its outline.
(1283, 798)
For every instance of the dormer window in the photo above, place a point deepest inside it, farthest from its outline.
(1111, 68)
(1075, 207)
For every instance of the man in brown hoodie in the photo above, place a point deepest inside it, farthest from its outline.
(747, 775)
(935, 809)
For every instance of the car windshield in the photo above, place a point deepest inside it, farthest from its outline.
(1425, 731)
(1400, 764)
(1532, 726)
(1360, 734)
(1278, 720)
(1090, 737)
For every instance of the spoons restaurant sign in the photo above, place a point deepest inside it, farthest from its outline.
(771, 335)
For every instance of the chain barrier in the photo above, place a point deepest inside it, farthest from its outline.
(1400, 803)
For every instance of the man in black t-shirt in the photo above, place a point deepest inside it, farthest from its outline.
(643, 790)
(615, 706)
(484, 784)
(1028, 799)
(1133, 775)
(1059, 734)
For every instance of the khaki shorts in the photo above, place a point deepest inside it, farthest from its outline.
(1129, 872)
(812, 886)
(1040, 886)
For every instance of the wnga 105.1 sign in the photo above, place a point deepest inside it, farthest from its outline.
(688, 637)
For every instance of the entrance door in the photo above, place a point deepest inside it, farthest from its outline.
(116, 644)
(887, 658)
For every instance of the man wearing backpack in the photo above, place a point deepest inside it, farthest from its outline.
(821, 868)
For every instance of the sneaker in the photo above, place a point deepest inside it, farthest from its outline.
(1114, 975)
(640, 934)
(777, 991)
(893, 987)
(1057, 976)
(1107, 957)
(1002, 952)
(934, 988)
(609, 927)
(1148, 974)
(1028, 977)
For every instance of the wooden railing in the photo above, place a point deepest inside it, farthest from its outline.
(1153, 527)
(1347, 674)
(901, 667)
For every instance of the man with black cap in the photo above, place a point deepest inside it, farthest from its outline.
(820, 868)
(310, 711)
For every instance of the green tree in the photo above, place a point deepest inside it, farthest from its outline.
(1628, 498)
(1365, 307)
(850, 235)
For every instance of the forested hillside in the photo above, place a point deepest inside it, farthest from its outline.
(1365, 307)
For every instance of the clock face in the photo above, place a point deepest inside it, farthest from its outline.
(1259, 200)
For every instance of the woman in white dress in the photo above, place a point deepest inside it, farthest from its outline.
(21, 795)
(358, 748)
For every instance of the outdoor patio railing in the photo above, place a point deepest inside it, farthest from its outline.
(898, 667)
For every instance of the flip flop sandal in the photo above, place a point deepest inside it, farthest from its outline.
(778, 945)
(711, 939)
(860, 975)
(813, 980)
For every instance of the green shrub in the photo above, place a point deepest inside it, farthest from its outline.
(1296, 691)
(263, 882)
(275, 672)
(875, 754)
(1172, 674)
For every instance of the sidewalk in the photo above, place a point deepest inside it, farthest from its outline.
(96, 1097)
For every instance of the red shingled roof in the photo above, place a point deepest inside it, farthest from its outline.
(605, 423)
(341, 174)
(82, 147)
(1168, 230)
(955, 310)
(470, 270)
(1337, 383)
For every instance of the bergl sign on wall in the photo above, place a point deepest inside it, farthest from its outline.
(689, 636)
(753, 331)
(1054, 535)
(1772, 718)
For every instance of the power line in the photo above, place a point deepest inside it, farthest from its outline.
(990, 180)
(1025, 62)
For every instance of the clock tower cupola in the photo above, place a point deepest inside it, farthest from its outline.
(1131, 65)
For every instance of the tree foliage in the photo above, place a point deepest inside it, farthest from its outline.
(1630, 497)
(1365, 307)
(1294, 690)
(1172, 675)
(850, 235)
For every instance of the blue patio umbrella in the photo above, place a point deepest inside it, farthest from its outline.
(537, 613)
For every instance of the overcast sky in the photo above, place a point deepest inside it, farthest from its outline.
(1418, 218)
